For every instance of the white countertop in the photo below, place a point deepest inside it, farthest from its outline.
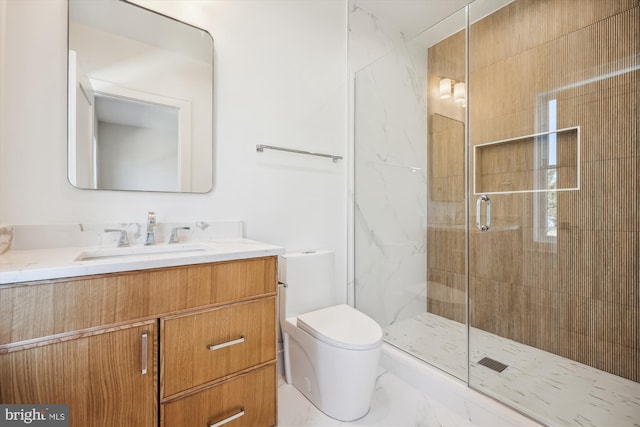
(27, 265)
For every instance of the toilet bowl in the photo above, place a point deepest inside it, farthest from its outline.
(331, 351)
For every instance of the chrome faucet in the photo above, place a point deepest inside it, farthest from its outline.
(151, 229)
(174, 234)
(123, 240)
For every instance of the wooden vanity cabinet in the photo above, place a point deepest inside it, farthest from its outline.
(210, 345)
(99, 375)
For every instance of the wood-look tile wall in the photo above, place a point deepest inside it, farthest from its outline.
(577, 295)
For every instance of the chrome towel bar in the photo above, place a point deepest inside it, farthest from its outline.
(260, 148)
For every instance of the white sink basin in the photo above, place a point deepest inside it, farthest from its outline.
(137, 251)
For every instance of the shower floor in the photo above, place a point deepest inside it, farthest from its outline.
(552, 388)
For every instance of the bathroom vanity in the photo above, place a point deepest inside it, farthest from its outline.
(181, 338)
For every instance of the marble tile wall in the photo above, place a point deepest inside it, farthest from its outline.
(390, 174)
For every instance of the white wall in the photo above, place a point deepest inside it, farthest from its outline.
(137, 157)
(280, 79)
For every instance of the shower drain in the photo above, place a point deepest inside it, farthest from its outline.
(492, 364)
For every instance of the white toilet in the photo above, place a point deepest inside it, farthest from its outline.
(331, 352)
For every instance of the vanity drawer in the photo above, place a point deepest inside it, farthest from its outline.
(251, 398)
(206, 346)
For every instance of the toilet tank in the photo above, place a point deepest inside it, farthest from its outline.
(309, 276)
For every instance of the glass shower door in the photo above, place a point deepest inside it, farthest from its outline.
(554, 191)
(410, 263)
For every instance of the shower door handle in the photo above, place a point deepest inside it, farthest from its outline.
(483, 198)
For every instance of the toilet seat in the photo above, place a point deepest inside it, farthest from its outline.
(342, 326)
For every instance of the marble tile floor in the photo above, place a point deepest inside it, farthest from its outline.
(397, 404)
(551, 388)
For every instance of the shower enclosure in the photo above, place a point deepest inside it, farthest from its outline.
(496, 198)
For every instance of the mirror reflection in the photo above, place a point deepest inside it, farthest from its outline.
(140, 100)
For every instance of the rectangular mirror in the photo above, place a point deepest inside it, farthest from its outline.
(140, 100)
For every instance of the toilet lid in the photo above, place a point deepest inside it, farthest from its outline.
(342, 326)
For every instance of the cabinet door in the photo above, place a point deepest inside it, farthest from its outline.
(99, 376)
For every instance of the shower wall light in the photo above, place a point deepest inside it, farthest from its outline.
(449, 88)
(459, 93)
(445, 88)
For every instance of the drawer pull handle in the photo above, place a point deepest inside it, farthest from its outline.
(228, 420)
(144, 353)
(226, 344)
